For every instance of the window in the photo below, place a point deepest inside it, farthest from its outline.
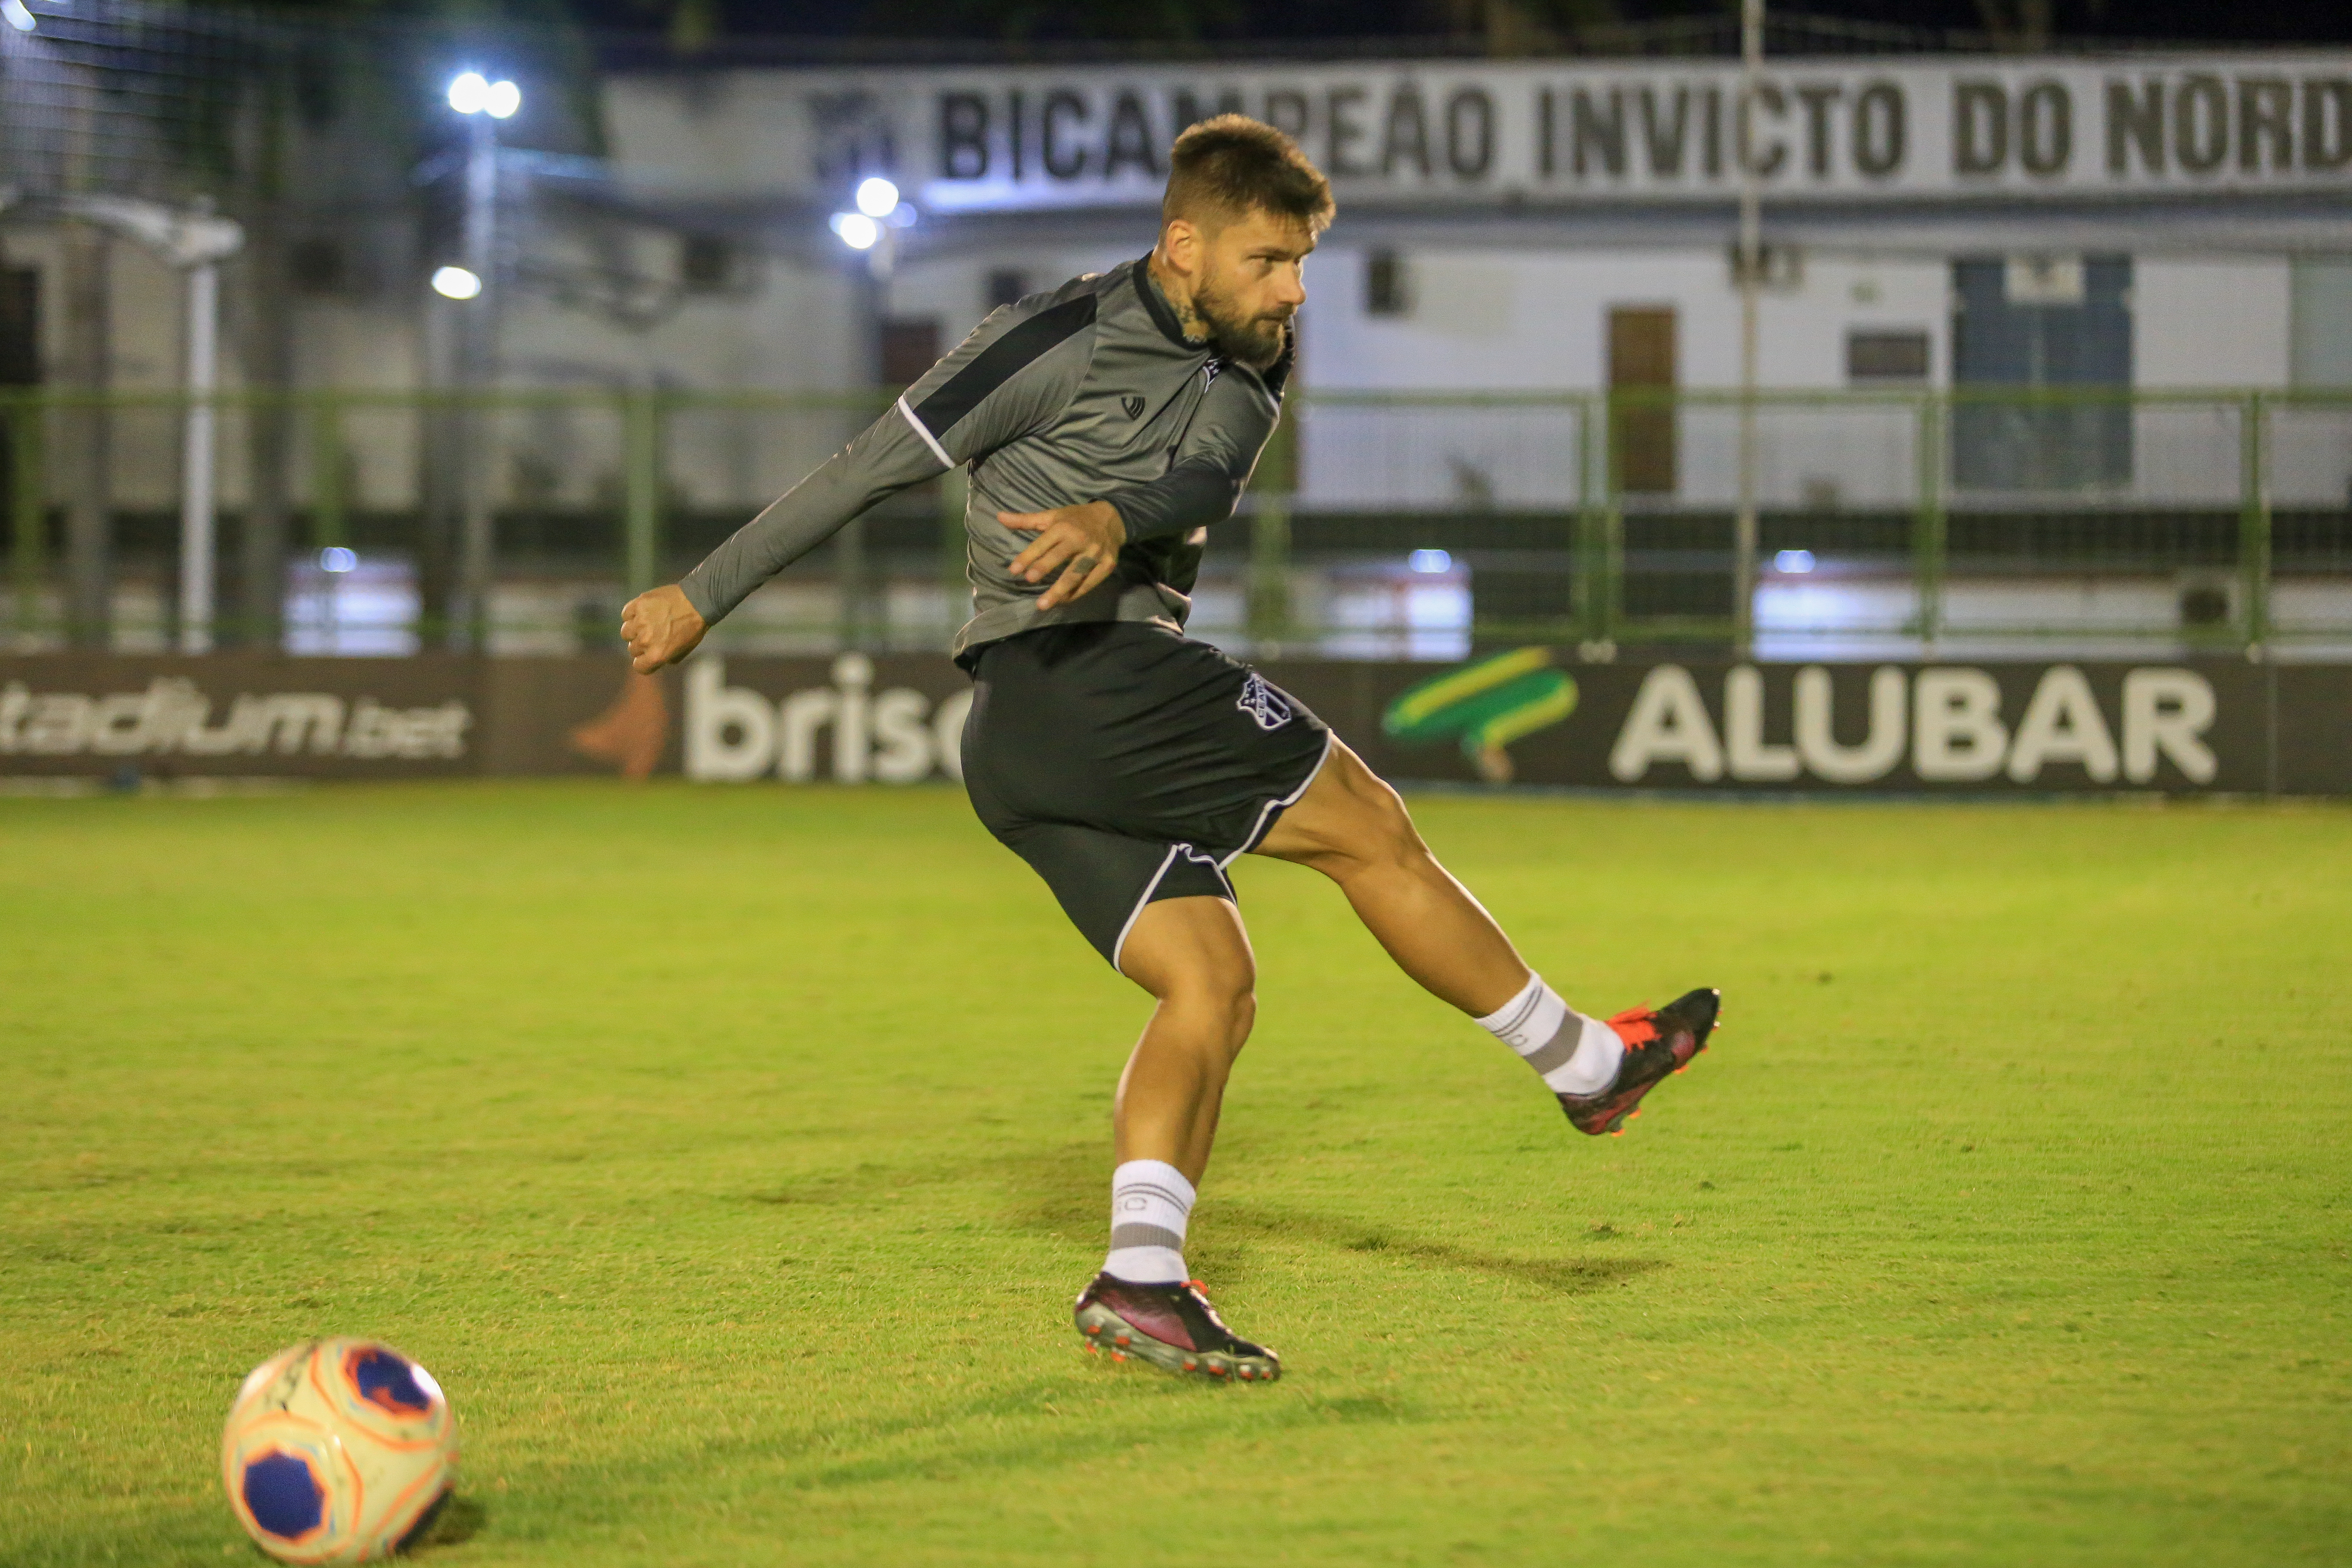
(1006, 285)
(1778, 266)
(2042, 280)
(316, 266)
(706, 263)
(2035, 322)
(911, 345)
(2322, 314)
(1388, 285)
(1879, 357)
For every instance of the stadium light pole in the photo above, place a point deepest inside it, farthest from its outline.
(1746, 533)
(193, 244)
(483, 103)
(871, 229)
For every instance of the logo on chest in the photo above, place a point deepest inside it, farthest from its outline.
(1133, 404)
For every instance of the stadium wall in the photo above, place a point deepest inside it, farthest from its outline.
(1524, 715)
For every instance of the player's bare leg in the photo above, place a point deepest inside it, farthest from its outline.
(1352, 827)
(1194, 958)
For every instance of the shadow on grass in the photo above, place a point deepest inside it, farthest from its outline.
(1569, 1276)
(1118, 1409)
(453, 1520)
(869, 1182)
(1057, 1189)
(1061, 1191)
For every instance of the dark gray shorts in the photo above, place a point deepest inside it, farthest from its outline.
(1127, 764)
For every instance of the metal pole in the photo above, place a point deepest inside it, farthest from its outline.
(329, 522)
(1745, 530)
(955, 583)
(642, 431)
(196, 460)
(329, 518)
(1930, 527)
(2254, 522)
(27, 512)
(1595, 596)
(478, 321)
(852, 567)
(1269, 573)
(1268, 607)
(89, 428)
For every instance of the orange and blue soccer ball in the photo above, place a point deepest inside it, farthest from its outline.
(338, 1451)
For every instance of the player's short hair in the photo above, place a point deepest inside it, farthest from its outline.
(1223, 168)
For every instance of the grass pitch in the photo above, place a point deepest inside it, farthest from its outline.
(732, 1156)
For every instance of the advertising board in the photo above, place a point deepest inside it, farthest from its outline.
(1529, 716)
(1439, 133)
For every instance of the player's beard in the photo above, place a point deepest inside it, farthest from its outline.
(1256, 340)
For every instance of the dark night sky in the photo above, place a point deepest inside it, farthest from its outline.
(1239, 21)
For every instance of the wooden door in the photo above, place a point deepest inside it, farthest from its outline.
(20, 326)
(1642, 428)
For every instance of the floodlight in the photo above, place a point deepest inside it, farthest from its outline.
(876, 197)
(456, 283)
(502, 99)
(1429, 561)
(1794, 562)
(336, 558)
(469, 93)
(857, 230)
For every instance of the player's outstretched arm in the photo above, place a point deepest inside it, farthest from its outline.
(661, 626)
(1013, 374)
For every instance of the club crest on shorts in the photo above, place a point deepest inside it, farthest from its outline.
(1263, 703)
(1133, 404)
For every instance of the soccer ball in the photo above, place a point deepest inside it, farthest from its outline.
(338, 1451)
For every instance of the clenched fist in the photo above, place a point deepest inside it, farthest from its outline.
(660, 627)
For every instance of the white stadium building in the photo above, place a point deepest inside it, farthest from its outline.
(2043, 346)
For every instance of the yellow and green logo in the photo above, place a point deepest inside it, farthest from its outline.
(1489, 704)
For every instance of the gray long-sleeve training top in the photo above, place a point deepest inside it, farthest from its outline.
(1089, 393)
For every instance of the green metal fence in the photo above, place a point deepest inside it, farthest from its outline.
(1389, 525)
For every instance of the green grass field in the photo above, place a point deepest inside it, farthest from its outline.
(732, 1156)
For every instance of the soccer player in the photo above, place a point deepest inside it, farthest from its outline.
(1105, 425)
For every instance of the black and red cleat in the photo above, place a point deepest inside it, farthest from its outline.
(1171, 1326)
(1656, 1043)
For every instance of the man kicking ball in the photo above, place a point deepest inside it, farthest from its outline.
(1105, 425)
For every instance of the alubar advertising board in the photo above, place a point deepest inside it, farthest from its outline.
(1529, 715)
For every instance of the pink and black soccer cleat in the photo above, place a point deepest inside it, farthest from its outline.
(1656, 1044)
(1171, 1326)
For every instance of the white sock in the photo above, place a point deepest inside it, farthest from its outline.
(1150, 1202)
(1571, 1053)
